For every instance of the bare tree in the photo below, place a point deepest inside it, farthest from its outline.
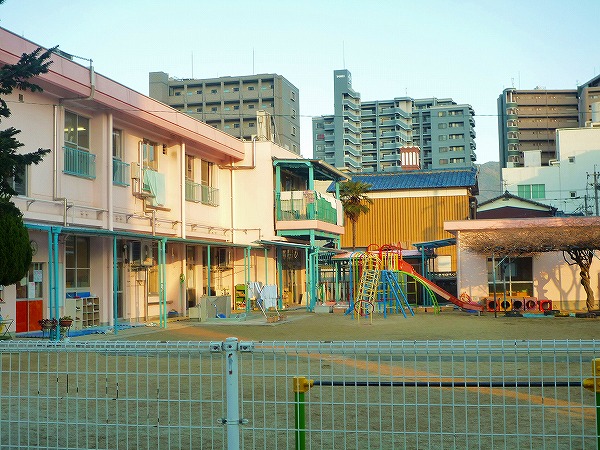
(583, 258)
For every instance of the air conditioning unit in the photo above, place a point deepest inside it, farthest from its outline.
(141, 253)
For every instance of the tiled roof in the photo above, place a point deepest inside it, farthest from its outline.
(418, 179)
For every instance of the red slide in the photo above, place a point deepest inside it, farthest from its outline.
(406, 267)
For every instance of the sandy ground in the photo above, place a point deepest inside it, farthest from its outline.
(301, 325)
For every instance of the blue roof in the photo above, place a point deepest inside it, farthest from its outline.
(419, 179)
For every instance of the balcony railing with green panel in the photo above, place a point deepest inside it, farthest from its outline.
(200, 193)
(121, 172)
(308, 205)
(79, 163)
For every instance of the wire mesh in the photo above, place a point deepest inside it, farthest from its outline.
(396, 394)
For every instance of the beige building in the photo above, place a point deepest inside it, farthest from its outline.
(230, 104)
(140, 210)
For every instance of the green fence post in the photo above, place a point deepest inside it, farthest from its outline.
(300, 386)
(593, 384)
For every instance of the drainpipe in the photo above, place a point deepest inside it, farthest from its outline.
(109, 172)
(182, 190)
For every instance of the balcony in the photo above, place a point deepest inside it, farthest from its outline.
(80, 163)
(121, 172)
(200, 193)
(309, 210)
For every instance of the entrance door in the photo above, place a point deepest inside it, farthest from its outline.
(190, 276)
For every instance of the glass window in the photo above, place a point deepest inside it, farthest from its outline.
(77, 262)
(150, 155)
(77, 131)
(206, 173)
(31, 286)
(189, 167)
(117, 138)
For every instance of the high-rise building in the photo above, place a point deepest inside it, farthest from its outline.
(445, 132)
(527, 123)
(369, 136)
(230, 104)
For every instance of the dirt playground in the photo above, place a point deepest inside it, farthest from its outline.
(300, 325)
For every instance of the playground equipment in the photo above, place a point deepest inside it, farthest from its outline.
(385, 288)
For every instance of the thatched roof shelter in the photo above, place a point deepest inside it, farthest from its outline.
(526, 236)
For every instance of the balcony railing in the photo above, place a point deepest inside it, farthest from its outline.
(121, 172)
(200, 193)
(309, 205)
(79, 163)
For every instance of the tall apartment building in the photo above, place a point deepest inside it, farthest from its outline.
(527, 123)
(369, 136)
(445, 132)
(230, 104)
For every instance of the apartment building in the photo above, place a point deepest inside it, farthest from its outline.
(368, 136)
(230, 104)
(140, 209)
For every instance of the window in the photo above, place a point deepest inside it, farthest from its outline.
(189, 167)
(441, 113)
(250, 106)
(213, 109)
(149, 155)
(571, 159)
(457, 136)
(573, 194)
(199, 92)
(213, 91)
(293, 113)
(293, 131)
(236, 89)
(20, 185)
(77, 131)
(117, 142)
(226, 90)
(443, 149)
(292, 95)
(227, 108)
(206, 173)
(320, 137)
(236, 125)
(455, 112)
(442, 125)
(250, 88)
(514, 273)
(198, 109)
(457, 160)
(77, 262)
(531, 191)
(252, 124)
(319, 125)
(31, 285)
(153, 280)
(457, 148)
(455, 124)
(442, 137)
(443, 162)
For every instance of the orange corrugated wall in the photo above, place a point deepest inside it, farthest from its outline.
(408, 220)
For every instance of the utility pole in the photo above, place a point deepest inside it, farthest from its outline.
(596, 189)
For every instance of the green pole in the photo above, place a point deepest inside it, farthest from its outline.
(300, 386)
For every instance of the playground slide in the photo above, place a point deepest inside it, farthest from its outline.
(406, 267)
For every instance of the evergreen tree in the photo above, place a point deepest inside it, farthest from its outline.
(354, 198)
(15, 251)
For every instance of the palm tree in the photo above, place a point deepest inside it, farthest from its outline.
(354, 198)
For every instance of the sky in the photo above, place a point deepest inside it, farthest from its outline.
(467, 50)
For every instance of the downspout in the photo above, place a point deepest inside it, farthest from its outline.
(182, 190)
(115, 285)
(109, 171)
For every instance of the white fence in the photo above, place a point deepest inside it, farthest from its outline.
(366, 395)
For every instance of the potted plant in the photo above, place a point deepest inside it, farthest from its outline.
(47, 325)
(65, 321)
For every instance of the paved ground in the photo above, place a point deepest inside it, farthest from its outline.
(301, 325)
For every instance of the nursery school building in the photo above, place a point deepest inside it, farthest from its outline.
(140, 211)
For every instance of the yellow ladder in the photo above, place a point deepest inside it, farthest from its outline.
(367, 293)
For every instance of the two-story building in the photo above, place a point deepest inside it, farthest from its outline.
(139, 210)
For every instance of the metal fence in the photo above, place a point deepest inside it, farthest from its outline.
(365, 395)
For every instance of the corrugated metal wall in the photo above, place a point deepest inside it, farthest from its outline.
(408, 220)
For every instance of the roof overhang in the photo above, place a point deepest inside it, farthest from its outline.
(526, 236)
(322, 171)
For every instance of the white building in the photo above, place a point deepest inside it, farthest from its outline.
(568, 182)
(140, 209)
